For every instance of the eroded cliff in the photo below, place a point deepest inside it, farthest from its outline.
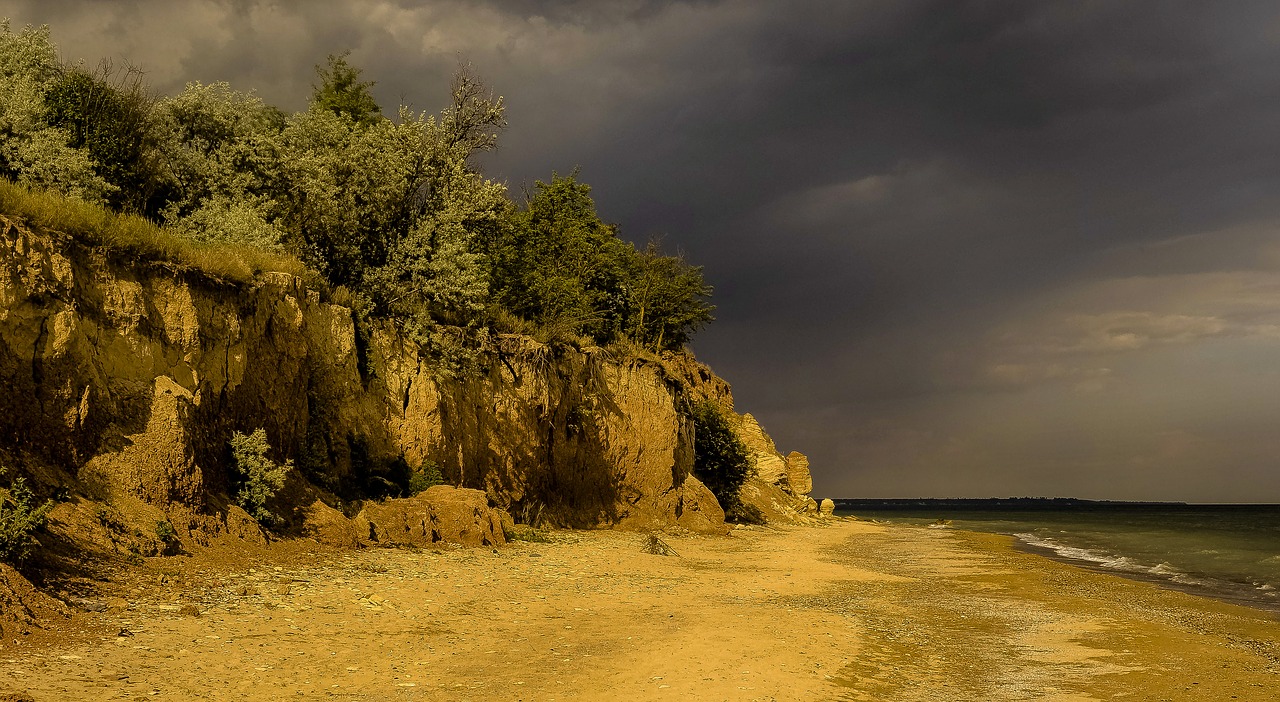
(124, 381)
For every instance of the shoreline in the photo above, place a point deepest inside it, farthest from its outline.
(850, 610)
(1256, 592)
(1244, 600)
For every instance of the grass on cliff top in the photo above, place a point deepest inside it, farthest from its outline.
(141, 238)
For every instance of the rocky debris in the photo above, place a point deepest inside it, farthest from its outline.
(827, 507)
(441, 513)
(764, 503)
(7, 695)
(698, 511)
(22, 607)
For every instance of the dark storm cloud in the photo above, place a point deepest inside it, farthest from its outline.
(959, 247)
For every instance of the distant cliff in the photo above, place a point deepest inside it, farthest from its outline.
(123, 383)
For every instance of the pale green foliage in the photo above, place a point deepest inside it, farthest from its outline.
(221, 219)
(348, 187)
(43, 160)
(260, 477)
(31, 151)
(391, 209)
(20, 516)
(221, 145)
(433, 274)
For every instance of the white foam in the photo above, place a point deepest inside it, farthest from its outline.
(1108, 560)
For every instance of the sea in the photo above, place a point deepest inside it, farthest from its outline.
(1228, 552)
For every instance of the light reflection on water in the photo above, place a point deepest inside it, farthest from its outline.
(1230, 552)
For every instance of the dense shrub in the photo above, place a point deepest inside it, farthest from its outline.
(721, 461)
(260, 478)
(557, 264)
(427, 476)
(20, 517)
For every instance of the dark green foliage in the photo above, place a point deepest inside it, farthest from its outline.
(427, 475)
(342, 92)
(557, 264)
(721, 460)
(260, 478)
(20, 516)
(524, 532)
(668, 300)
(112, 122)
(165, 533)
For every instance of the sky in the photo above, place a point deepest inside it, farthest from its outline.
(959, 248)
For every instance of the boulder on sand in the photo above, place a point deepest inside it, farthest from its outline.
(441, 513)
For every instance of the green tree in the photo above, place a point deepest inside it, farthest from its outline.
(558, 265)
(342, 92)
(107, 114)
(32, 152)
(20, 516)
(220, 151)
(668, 300)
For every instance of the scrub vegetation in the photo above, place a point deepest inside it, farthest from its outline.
(21, 515)
(721, 461)
(387, 213)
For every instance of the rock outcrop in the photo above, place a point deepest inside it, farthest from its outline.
(441, 513)
(778, 491)
(124, 380)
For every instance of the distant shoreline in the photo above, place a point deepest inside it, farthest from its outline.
(852, 504)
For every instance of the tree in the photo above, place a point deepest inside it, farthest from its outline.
(220, 151)
(108, 115)
(558, 265)
(260, 477)
(342, 92)
(33, 152)
(669, 300)
(475, 116)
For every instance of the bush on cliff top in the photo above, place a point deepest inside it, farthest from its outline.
(391, 208)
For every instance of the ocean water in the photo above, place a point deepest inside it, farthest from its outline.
(1230, 552)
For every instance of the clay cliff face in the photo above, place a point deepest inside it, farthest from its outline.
(124, 382)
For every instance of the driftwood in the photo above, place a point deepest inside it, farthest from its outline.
(658, 547)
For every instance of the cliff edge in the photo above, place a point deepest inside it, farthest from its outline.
(125, 380)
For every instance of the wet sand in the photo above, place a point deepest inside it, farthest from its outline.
(851, 610)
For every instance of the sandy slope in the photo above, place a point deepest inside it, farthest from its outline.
(850, 611)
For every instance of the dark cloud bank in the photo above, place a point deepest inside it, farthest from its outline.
(960, 248)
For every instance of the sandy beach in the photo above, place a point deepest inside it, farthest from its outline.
(849, 611)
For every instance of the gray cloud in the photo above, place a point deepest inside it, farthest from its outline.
(960, 247)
